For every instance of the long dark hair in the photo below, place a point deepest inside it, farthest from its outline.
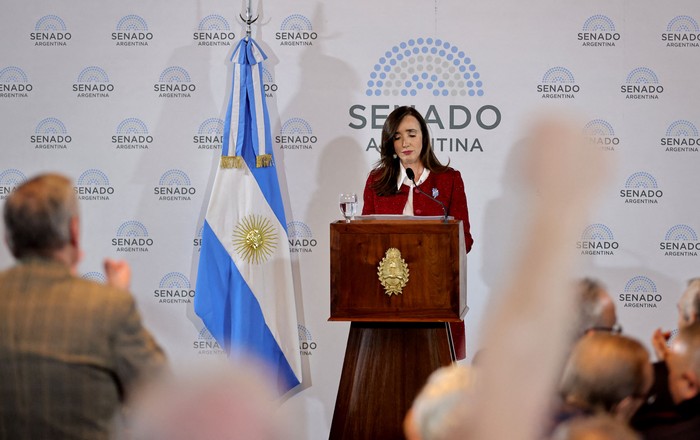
(387, 167)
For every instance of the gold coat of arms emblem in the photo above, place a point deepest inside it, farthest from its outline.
(393, 272)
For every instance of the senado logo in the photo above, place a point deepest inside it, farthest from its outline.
(431, 67)
(301, 239)
(642, 83)
(209, 135)
(93, 184)
(435, 66)
(9, 180)
(269, 85)
(681, 136)
(95, 276)
(174, 82)
(641, 187)
(174, 185)
(132, 134)
(50, 134)
(174, 288)
(213, 30)
(558, 83)
(296, 134)
(132, 236)
(93, 82)
(598, 31)
(50, 30)
(132, 30)
(296, 30)
(597, 239)
(682, 31)
(14, 83)
(306, 342)
(205, 344)
(197, 241)
(599, 132)
(680, 241)
(640, 292)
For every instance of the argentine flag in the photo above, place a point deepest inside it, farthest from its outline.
(245, 291)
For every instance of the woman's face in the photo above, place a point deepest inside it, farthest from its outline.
(408, 141)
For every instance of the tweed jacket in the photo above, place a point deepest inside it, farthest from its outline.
(70, 350)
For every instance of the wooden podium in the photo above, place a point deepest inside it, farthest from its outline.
(395, 340)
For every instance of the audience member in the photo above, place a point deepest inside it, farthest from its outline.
(683, 361)
(71, 350)
(605, 373)
(217, 401)
(596, 308)
(598, 427)
(440, 405)
(660, 405)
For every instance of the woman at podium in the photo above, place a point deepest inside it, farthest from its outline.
(409, 179)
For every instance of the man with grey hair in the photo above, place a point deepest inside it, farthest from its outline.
(596, 309)
(71, 350)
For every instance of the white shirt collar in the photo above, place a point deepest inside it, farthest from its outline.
(404, 179)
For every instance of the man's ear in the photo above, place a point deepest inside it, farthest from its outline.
(74, 231)
(691, 385)
(626, 408)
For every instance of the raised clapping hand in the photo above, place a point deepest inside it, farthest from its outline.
(118, 273)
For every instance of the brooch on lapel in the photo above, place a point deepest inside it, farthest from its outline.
(436, 193)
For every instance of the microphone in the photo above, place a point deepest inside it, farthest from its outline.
(411, 176)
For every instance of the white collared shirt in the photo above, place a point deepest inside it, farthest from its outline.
(403, 179)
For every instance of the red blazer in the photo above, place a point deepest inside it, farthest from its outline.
(446, 186)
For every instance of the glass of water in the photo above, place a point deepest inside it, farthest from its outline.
(348, 206)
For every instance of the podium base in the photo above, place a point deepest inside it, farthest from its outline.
(386, 364)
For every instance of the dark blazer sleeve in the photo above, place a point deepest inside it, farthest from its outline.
(458, 208)
(368, 207)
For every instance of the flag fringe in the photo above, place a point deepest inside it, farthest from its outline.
(231, 162)
(263, 160)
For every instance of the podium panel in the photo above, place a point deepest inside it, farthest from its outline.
(434, 253)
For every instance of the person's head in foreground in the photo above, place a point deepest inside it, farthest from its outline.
(41, 220)
(607, 373)
(598, 427)
(683, 361)
(441, 404)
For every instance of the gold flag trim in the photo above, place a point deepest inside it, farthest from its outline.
(231, 162)
(263, 160)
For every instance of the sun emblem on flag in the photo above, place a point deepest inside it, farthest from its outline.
(255, 239)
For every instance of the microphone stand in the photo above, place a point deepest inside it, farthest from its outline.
(412, 177)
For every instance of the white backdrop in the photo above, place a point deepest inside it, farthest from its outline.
(86, 89)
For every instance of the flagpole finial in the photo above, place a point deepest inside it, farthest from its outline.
(248, 20)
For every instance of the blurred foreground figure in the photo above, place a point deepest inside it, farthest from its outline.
(606, 373)
(71, 350)
(600, 427)
(683, 362)
(230, 401)
(529, 329)
(441, 404)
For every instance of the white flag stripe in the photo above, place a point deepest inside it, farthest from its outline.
(259, 111)
(235, 109)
